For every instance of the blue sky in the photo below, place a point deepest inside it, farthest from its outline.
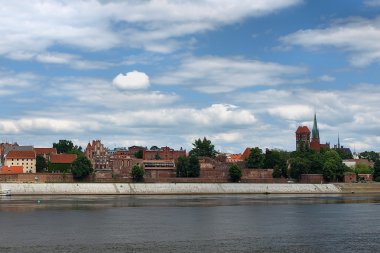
(241, 73)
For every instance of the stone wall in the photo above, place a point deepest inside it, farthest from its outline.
(37, 177)
(311, 178)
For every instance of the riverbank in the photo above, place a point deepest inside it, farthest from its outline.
(183, 188)
(164, 188)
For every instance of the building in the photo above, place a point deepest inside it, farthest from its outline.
(45, 152)
(121, 163)
(11, 169)
(61, 162)
(6, 147)
(346, 151)
(26, 159)
(303, 138)
(163, 153)
(98, 155)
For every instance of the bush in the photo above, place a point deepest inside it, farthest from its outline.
(81, 168)
(377, 179)
(137, 173)
(235, 173)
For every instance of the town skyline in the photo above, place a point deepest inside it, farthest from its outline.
(166, 73)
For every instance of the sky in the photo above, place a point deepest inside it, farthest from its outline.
(240, 73)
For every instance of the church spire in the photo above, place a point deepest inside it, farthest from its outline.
(338, 141)
(315, 131)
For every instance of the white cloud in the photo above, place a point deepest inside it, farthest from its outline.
(35, 26)
(217, 74)
(132, 81)
(372, 3)
(291, 112)
(344, 34)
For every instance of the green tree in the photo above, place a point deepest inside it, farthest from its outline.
(137, 173)
(235, 173)
(255, 158)
(139, 154)
(370, 156)
(362, 168)
(67, 146)
(182, 166)
(154, 148)
(81, 167)
(157, 156)
(194, 166)
(343, 155)
(278, 161)
(298, 166)
(376, 170)
(41, 164)
(203, 148)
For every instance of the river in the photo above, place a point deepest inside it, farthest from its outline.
(199, 223)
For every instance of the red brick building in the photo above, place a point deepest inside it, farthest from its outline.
(303, 137)
(164, 153)
(97, 154)
(45, 152)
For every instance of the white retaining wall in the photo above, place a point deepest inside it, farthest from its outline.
(163, 188)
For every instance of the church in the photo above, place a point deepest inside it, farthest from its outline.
(303, 138)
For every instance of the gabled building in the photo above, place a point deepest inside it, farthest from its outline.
(61, 162)
(98, 155)
(26, 159)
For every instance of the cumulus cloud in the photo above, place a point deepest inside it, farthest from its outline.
(344, 35)
(216, 74)
(132, 81)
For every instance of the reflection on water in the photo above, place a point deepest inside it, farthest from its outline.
(30, 203)
(186, 223)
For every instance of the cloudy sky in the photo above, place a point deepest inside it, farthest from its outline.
(242, 73)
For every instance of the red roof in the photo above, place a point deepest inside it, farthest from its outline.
(11, 169)
(302, 130)
(246, 153)
(63, 158)
(45, 151)
(23, 154)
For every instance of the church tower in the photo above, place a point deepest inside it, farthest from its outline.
(315, 142)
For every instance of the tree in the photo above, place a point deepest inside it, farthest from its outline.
(67, 146)
(182, 166)
(154, 148)
(41, 164)
(370, 156)
(203, 148)
(278, 161)
(157, 156)
(235, 173)
(376, 170)
(81, 167)
(362, 168)
(137, 173)
(255, 158)
(139, 154)
(194, 166)
(188, 166)
(298, 166)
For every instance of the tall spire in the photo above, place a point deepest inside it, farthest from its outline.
(315, 131)
(338, 141)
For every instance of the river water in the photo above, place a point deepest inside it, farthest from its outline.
(201, 223)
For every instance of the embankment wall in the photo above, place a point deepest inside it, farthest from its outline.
(163, 188)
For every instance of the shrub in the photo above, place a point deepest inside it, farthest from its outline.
(235, 173)
(137, 173)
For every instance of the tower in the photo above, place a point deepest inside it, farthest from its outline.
(315, 142)
(302, 138)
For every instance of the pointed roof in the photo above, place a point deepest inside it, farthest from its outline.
(315, 131)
